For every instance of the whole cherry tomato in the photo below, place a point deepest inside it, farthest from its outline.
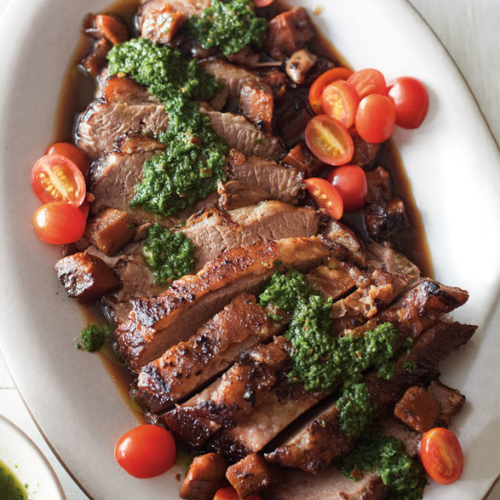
(442, 455)
(326, 196)
(146, 451)
(59, 223)
(376, 118)
(230, 493)
(350, 181)
(70, 152)
(411, 99)
(367, 82)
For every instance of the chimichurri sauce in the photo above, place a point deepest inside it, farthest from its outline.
(10, 487)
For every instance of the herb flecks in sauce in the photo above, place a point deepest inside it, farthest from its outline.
(356, 409)
(194, 158)
(403, 475)
(94, 337)
(10, 487)
(170, 255)
(321, 361)
(229, 26)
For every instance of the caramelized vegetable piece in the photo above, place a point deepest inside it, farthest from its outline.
(301, 158)
(299, 65)
(111, 28)
(418, 409)
(110, 231)
(250, 475)
(205, 476)
(96, 60)
(257, 104)
(85, 277)
(162, 24)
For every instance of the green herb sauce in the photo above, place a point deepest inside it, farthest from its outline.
(194, 158)
(404, 476)
(94, 337)
(10, 487)
(357, 411)
(321, 361)
(170, 255)
(229, 26)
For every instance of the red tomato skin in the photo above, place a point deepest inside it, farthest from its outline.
(442, 455)
(342, 136)
(376, 118)
(350, 181)
(259, 4)
(70, 152)
(59, 223)
(230, 493)
(326, 196)
(319, 85)
(368, 81)
(411, 100)
(48, 163)
(340, 100)
(146, 451)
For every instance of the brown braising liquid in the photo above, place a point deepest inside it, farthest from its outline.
(77, 92)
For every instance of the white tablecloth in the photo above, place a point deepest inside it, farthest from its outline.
(469, 30)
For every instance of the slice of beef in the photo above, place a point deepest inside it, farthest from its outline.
(188, 365)
(243, 227)
(257, 104)
(283, 184)
(289, 32)
(335, 279)
(322, 439)
(450, 400)
(328, 485)
(157, 324)
(250, 475)
(348, 246)
(383, 256)
(244, 136)
(417, 409)
(206, 475)
(85, 277)
(238, 194)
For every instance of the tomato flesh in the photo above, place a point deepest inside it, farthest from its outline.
(59, 223)
(367, 82)
(146, 451)
(259, 4)
(326, 196)
(350, 181)
(329, 140)
(442, 455)
(376, 118)
(341, 101)
(230, 493)
(55, 178)
(70, 152)
(320, 84)
(411, 100)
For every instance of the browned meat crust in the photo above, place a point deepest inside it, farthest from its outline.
(174, 316)
(450, 400)
(417, 409)
(205, 476)
(250, 475)
(257, 104)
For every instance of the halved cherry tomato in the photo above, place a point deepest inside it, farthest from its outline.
(230, 493)
(55, 178)
(59, 223)
(442, 455)
(322, 82)
(329, 140)
(411, 99)
(259, 4)
(326, 196)
(376, 118)
(350, 180)
(341, 102)
(368, 81)
(146, 451)
(70, 152)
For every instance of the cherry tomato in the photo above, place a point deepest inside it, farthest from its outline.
(322, 82)
(326, 196)
(368, 81)
(411, 99)
(341, 102)
(350, 181)
(329, 140)
(55, 178)
(230, 493)
(259, 4)
(59, 223)
(376, 118)
(442, 455)
(146, 451)
(71, 153)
